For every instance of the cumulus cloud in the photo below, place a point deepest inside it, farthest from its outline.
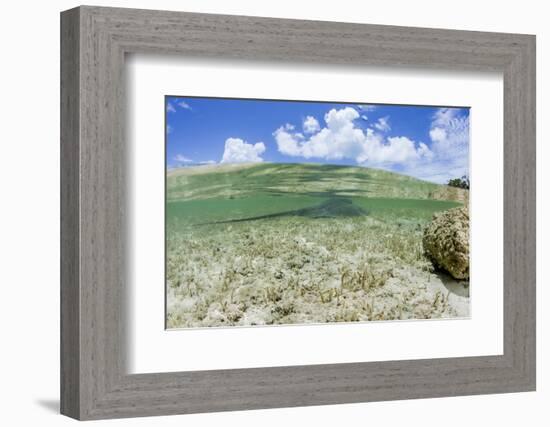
(170, 108)
(310, 125)
(238, 151)
(342, 139)
(398, 149)
(438, 134)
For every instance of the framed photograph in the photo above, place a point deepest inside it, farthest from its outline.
(262, 213)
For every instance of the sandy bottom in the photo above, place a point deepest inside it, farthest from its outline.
(301, 270)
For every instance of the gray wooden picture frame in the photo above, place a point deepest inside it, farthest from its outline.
(94, 381)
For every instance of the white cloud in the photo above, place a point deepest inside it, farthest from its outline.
(184, 105)
(287, 143)
(180, 158)
(208, 162)
(424, 151)
(383, 124)
(450, 132)
(170, 108)
(238, 151)
(365, 118)
(367, 107)
(450, 136)
(341, 139)
(310, 125)
(438, 134)
(397, 149)
(169, 129)
(446, 157)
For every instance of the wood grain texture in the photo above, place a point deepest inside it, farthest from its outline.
(94, 381)
(70, 263)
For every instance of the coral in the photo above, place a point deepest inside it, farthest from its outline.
(446, 242)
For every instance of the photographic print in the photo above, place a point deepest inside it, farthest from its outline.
(286, 212)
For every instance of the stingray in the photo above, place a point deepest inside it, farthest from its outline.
(331, 208)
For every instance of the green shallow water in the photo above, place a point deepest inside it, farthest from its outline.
(265, 207)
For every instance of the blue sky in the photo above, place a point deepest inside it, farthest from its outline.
(430, 143)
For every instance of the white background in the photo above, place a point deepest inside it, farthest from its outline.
(152, 349)
(29, 223)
